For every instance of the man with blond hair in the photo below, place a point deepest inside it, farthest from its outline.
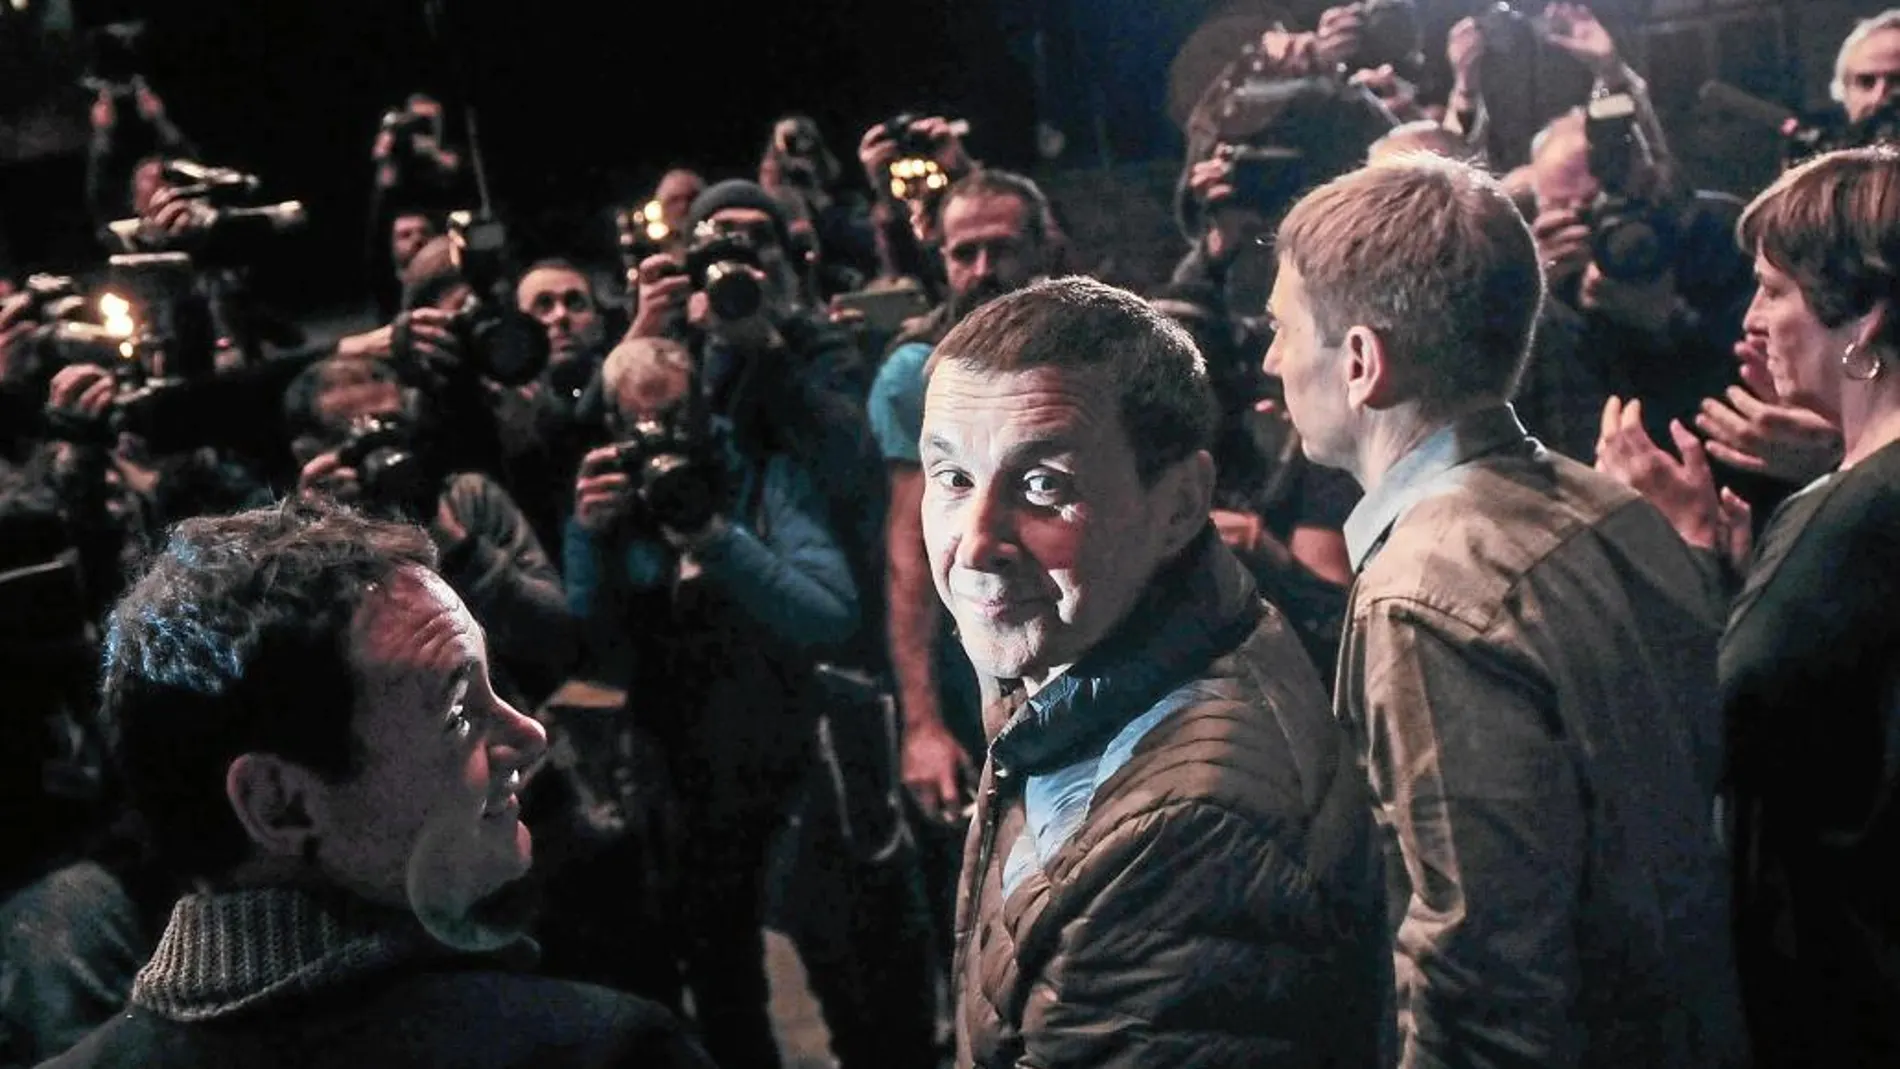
(1529, 663)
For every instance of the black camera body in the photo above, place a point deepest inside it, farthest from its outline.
(674, 480)
(717, 263)
(1389, 35)
(388, 464)
(1632, 226)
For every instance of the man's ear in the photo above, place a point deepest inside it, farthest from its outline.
(1187, 495)
(1371, 379)
(277, 801)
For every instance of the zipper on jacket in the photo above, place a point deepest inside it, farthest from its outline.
(986, 847)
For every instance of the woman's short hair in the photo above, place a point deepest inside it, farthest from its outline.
(1833, 225)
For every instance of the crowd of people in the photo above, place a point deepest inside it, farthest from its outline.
(1476, 648)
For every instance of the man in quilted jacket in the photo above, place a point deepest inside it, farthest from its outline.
(1170, 862)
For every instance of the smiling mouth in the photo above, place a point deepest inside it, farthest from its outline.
(505, 805)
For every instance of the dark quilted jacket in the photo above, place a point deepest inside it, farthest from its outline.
(1217, 902)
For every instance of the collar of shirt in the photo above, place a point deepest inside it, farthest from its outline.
(1469, 436)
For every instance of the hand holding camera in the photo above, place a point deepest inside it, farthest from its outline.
(1575, 29)
(430, 336)
(1563, 242)
(603, 491)
(1339, 33)
(327, 474)
(662, 288)
(82, 391)
(1464, 49)
(934, 139)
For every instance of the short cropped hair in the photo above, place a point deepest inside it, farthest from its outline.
(1424, 135)
(995, 182)
(1080, 325)
(1865, 28)
(647, 366)
(1432, 255)
(1833, 224)
(237, 639)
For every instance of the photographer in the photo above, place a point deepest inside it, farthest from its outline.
(721, 555)
(416, 177)
(365, 439)
(1336, 89)
(906, 223)
(740, 252)
(1648, 287)
(833, 224)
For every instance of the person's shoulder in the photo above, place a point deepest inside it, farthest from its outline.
(518, 1018)
(1253, 735)
(1474, 535)
(902, 373)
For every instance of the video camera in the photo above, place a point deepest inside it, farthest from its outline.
(74, 330)
(157, 337)
(1632, 225)
(235, 230)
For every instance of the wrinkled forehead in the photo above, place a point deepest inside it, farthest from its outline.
(967, 406)
(984, 217)
(1878, 54)
(412, 622)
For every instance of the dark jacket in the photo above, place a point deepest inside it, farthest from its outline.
(1171, 862)
(284, 978)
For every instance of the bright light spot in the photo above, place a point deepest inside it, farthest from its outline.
(116, 312)
(656, 231)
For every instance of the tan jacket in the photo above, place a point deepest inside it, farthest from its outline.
(1529, 668)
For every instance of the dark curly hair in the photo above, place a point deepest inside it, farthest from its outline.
(236, 639)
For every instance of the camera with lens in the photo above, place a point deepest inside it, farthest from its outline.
(720, 262)
(387, 461)
(235, 229)
(674, 481)
(496, 340)
(914, 173)
(1389, 35)
(73, 330)
(1632, 227)
(641, 231)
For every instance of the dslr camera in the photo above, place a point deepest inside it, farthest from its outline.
(237, 229)
(1632, 227)
(1389, 35)
(497, 340)
(717, 262)
(914, 173)
(674, 481)
(388, 463)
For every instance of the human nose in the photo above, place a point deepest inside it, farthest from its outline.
(520, 743)
(987, 540)
(1270, 363)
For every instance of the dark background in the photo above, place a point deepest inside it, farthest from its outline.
(583, 104)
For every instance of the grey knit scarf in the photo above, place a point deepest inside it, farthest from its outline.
(238, 950)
